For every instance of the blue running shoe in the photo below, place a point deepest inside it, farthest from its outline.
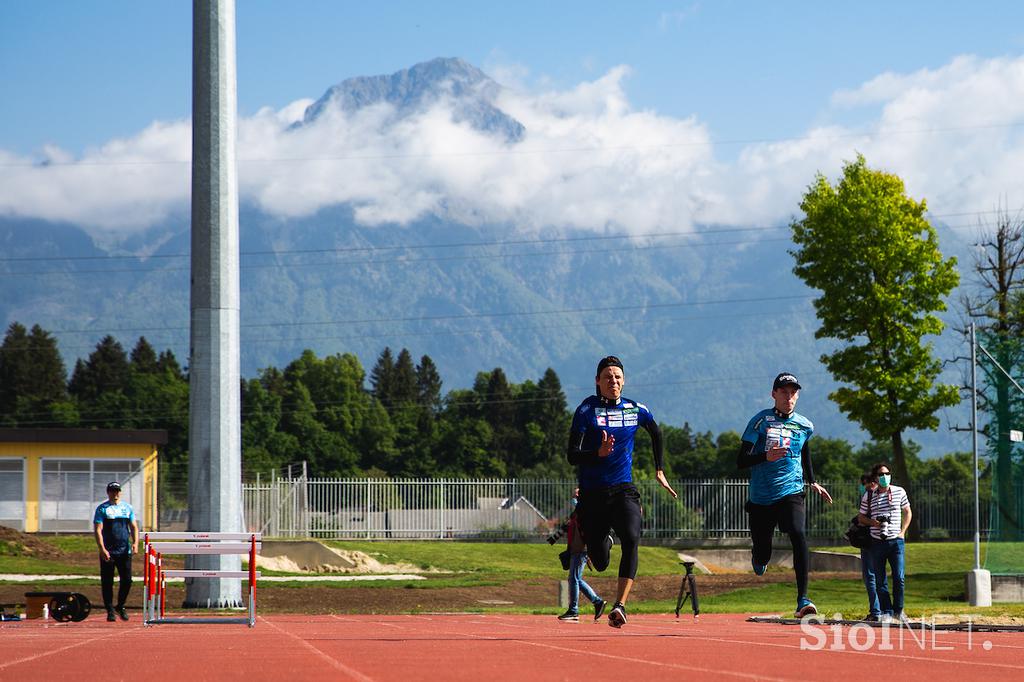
(759, 569)
(805, 607)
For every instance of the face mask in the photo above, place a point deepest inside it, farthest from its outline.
(573, 501)
(862, 488)
(883, 480)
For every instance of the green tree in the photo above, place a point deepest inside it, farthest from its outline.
(33, 379)
(868, 248)
(428, 385)
(101, 383)
(382, 376)
(143, 357)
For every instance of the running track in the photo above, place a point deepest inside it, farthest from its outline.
(485, 647)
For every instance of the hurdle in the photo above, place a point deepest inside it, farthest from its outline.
(154, 577)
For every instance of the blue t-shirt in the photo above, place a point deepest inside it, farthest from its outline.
(771, 481)
(117, 522)
(621, 420)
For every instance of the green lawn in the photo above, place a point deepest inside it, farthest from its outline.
(946, 557)
(510, 560)
(935, 574)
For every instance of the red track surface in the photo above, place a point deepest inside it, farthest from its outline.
(487, 647)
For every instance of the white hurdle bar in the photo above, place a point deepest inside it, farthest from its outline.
(154, 576)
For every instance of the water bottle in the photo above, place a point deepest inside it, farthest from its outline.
(46, 612)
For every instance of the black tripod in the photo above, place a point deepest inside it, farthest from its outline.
(688, 589)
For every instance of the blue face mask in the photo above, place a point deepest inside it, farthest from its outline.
(862, 489)
(573, 501)
(883, 480)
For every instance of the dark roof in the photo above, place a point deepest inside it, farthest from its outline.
(151, 436)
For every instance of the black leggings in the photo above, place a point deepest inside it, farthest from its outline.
(615, 508)
(123, 563)
(788, 514)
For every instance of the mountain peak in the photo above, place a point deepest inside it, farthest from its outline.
(412, 90)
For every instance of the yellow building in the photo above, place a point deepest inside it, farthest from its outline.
(53, 479)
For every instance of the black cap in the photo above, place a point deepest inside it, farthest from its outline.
(113, 485)
(785, 379)
(610, 361)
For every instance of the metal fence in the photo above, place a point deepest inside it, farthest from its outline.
(529, 509)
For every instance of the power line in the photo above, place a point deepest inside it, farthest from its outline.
(467, 244)
(635, 321)
(462, 316)
(406, 261)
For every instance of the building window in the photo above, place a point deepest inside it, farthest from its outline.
(12, 493)
(73, 488)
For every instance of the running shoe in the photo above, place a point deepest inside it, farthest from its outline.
(570, 617)
(805, 607)
(121, 613)
(617, 616)
(110, 616)
(599, 608)
(759, 569)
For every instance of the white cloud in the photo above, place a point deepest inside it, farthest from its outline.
(589, 160)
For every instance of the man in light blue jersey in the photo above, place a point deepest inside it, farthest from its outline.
(775, 448)
(117, 536)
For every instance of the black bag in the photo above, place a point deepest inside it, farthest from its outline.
(858, 535)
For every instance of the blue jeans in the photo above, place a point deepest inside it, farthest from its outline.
(891, 552)
(874, 581)
(577, 583)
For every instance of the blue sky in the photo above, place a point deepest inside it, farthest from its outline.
(728, 94)
(79, 73)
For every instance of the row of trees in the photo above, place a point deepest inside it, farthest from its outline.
(320, 410)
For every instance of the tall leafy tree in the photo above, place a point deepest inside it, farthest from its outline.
(866, 246)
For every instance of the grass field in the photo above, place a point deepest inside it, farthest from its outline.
(935, 574)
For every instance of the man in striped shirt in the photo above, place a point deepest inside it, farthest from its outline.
(889, 517)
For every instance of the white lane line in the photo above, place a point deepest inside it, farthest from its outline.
(632, 659)
(26, 659)
(360, 621)
(850, 650)
(334, 663)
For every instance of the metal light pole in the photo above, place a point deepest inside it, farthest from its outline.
(979, 581)
(215, 460)
(974, 448)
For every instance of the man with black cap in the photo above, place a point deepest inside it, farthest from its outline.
(601, 446)
(775, 448)
(117, 536)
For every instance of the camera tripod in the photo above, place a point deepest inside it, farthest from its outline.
(688, 590)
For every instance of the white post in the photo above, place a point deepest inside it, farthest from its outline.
(979, 581)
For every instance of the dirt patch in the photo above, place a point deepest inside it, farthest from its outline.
(541, 594)
(308, 556)
(25, 544)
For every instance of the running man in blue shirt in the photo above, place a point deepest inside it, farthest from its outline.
(601, 446)
(117, 536)
(775, 448)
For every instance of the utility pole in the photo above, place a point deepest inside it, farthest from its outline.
(215, 460)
